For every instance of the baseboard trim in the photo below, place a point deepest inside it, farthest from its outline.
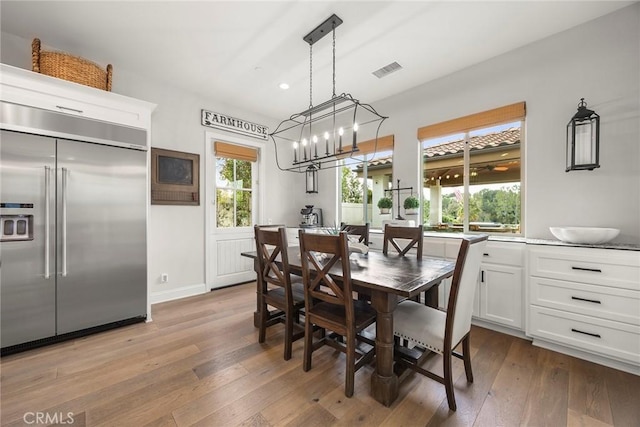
(499, 328)
(183, 292)
(600, 360)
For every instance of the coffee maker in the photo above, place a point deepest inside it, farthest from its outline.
(311, 217)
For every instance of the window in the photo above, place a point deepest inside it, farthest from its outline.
(360, 196)
(235, 177)
(472, 178)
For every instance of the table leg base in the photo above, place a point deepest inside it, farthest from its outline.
(384, 389)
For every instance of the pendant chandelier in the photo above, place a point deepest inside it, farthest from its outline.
(321, 135)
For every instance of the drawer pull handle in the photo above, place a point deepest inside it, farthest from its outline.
(69, 109)
(595, 270)
(485, 254)
(587, 300)
(586, 333)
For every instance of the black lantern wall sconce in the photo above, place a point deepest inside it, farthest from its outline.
(583, 139)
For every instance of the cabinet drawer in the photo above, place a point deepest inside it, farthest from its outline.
(504, 253)
(586, 265)
(621, 305)
(607, 338)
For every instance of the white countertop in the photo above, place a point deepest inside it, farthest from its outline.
(611, 245)
(528, 241)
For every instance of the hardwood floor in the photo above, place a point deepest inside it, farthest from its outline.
(199, 363)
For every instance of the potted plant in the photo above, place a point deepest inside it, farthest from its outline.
(385, 204)
(411, 204)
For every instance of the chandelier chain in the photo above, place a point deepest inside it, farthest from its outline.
(310, 75)
(334, 59)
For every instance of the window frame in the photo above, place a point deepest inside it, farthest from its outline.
(467, 165)
(233, 188)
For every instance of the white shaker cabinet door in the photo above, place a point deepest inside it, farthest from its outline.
(500, 294)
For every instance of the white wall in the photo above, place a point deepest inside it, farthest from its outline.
(599, 61)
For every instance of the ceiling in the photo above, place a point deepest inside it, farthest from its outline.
(239, 52)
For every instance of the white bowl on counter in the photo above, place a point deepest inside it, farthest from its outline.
(585, 235)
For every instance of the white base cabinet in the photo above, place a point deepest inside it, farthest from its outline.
(499, 294)
(499, 297)
(587, 302)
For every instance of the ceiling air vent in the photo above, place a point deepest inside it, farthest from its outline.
(387, 69)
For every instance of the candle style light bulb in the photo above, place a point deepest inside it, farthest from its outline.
(315, 145)
(295, 151)
(340, 132)
(326, 143)
(355, 131)
(304, 147)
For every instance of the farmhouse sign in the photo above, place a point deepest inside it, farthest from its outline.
(224, 122)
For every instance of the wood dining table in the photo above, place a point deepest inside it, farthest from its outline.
(387, 279)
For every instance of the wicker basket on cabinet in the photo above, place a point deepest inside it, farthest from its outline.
(69, 67)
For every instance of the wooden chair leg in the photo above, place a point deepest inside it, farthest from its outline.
(264, 314)
(351, 366)
(448, 381)
(288, 334)
(466, 353)
(308, 345)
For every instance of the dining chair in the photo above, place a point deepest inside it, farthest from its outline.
(442, 331)
(403, 239)
(278, 288)
(362, 231)
(329, 304)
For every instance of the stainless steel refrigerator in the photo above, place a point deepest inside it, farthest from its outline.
(73, 226)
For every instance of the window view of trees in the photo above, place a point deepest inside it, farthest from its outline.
(351, 186)
(233, 193)
(369, 170)
(501, 206)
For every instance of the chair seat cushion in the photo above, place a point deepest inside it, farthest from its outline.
(420, 324)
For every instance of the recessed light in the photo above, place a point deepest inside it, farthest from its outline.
(284, 86)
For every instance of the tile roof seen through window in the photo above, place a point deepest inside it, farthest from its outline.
(499, 139)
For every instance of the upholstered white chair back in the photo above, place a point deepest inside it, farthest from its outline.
(463, 286)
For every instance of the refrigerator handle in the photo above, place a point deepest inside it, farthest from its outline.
(47, 216)
(64, 222)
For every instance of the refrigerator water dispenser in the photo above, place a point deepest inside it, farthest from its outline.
(16, 228)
